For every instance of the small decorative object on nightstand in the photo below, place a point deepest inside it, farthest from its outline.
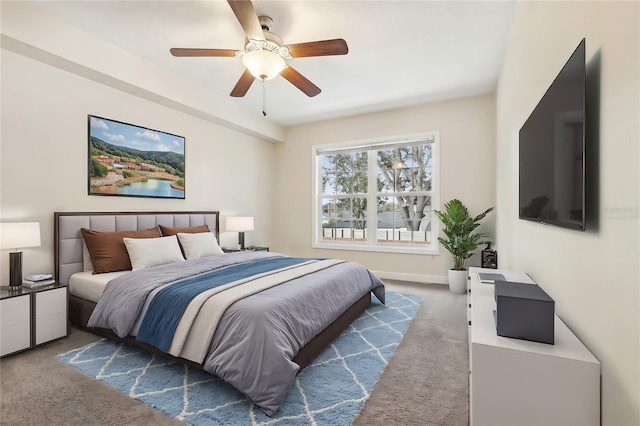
(15, 236)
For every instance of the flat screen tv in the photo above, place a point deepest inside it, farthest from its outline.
(552, 151)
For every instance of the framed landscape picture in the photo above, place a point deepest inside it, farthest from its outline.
(134, 161)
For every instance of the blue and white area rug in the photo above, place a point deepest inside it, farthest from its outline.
(329, 391)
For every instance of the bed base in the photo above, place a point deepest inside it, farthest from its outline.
(80, 310)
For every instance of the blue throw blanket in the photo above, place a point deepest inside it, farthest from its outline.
(168, 305)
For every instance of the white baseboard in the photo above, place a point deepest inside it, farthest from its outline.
(401, 276)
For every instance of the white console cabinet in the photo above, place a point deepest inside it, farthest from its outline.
(518, 382)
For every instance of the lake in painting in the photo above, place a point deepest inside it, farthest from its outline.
(151, 188)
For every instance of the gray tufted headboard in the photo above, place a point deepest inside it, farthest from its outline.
(68, 239)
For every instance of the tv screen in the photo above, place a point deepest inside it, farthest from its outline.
(552, 157)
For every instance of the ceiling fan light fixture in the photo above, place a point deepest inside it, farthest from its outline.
(263, 64)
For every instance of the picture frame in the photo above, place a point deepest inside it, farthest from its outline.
(134, 161)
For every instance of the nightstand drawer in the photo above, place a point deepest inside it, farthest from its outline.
(14, 311)
(50, 315)
(51, 302)
(15, 338)
(15, 334)
(51, 327)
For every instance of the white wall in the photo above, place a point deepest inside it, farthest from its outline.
(44, 150)
(594, 275)
(30, 31)
(467, 164)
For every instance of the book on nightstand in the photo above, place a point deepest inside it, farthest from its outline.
(37, 284)
(38, 277)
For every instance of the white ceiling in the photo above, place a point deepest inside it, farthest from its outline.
(401, 53)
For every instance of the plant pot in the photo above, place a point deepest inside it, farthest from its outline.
(457, 281)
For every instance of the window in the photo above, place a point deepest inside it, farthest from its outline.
(377, 196)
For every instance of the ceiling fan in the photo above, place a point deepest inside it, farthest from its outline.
(264, 54)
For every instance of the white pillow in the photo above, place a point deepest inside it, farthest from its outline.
(199, 245)
(147, 252)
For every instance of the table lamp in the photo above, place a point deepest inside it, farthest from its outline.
(240, 224)
(16, 236)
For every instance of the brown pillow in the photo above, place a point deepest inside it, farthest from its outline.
(107, 250)
(167, 232)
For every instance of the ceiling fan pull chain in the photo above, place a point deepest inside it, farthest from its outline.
(264, 99)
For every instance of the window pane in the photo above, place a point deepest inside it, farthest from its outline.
(404, 219)
(328, 174)
(344, 219)
(404, 169)
(419, 164)
(349, 173)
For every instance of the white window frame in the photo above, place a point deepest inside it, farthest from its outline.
(371, 244)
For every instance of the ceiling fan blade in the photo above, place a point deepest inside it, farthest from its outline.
(177, 51)
(319, 48)
(242, 86)
(300, 81)
(248, 18)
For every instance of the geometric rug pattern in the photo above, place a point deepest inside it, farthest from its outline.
(331, 390)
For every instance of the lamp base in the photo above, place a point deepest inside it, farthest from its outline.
(241, 240)
(15, 269)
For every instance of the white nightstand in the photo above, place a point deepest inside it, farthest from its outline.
(31, 317)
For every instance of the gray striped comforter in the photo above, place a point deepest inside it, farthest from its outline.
(258, 336)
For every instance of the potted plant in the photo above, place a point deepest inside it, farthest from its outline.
(460, 240)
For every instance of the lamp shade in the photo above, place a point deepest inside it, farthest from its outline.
(19, 235)
(263, 64)
(240, 223)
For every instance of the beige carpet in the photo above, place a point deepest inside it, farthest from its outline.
(425, 383)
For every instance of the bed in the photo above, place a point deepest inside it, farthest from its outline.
(259, 318)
